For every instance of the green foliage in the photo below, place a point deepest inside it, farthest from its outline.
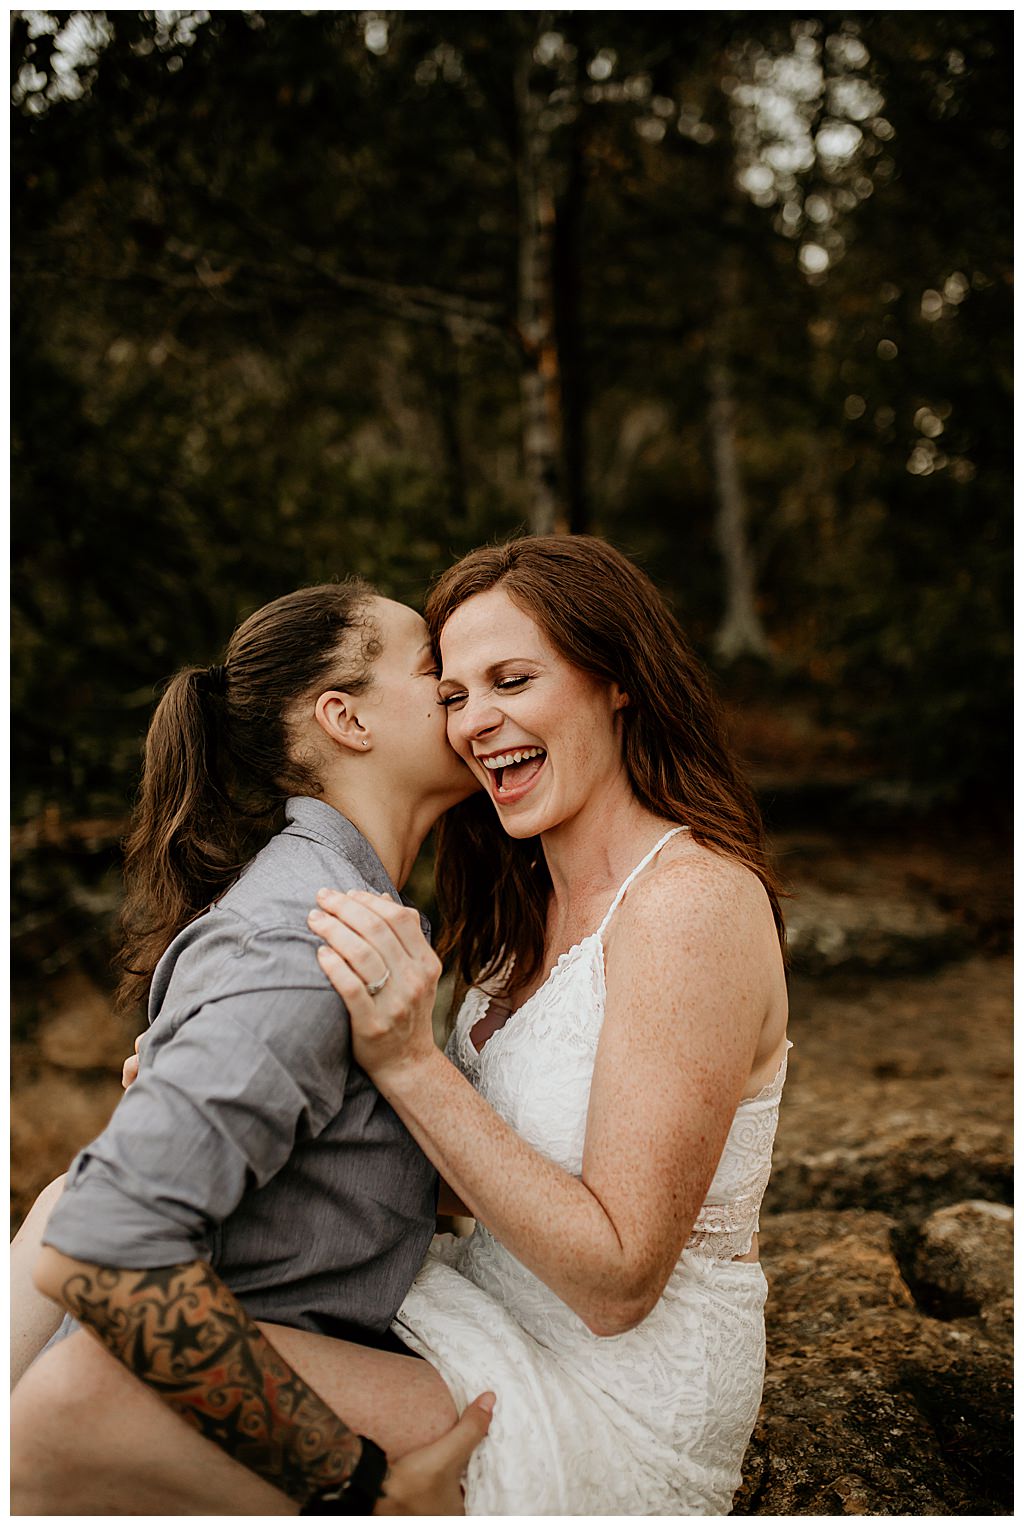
(264, 333)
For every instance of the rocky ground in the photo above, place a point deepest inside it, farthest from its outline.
(886, 1233)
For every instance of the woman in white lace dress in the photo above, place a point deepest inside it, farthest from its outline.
(607, 1104)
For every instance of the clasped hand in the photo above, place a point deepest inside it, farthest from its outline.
(373, 944)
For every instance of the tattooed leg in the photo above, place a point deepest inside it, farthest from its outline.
(181, 1332)
(89, 1439)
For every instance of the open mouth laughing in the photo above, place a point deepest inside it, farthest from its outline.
(514, 771)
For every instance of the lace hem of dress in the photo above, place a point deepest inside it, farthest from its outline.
(724, 1230)
(713, 1246)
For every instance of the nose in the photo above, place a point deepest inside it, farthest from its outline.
(476, 720)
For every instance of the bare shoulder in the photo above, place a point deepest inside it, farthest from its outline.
(697, 893)
(694, 946)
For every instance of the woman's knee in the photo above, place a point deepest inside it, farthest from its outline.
(54, 1409)
(64, 1384)
(49, 1195)
(41, 1209)
(67, 1427)
(46, 1433)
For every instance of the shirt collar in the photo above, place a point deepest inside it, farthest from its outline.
(316, 819)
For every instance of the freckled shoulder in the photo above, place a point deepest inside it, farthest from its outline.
(693, 948)
(695, 894)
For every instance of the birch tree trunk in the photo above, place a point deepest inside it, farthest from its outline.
(741, 633)
(540, 377)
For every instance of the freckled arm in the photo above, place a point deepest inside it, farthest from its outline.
(685, 1001)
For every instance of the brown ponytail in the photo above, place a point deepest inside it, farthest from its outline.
(220, 761)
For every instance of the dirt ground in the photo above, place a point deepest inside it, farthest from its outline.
(898, 1051)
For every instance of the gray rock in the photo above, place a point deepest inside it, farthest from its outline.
(829, 930)
(908, 1166)
(963, 1260)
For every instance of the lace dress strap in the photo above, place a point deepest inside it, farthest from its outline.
(633, 874)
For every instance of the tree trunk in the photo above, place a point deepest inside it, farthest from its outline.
(540, 373)
(568, 281)
(741, 633)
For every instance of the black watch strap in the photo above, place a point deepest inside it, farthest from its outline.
(359, 1492)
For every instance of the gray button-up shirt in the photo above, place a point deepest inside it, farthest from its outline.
(250, 1139)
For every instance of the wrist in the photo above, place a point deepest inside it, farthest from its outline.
(356, 1494)
(406, 1074)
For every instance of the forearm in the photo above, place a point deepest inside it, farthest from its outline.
(547, 1218)
(182, 1332)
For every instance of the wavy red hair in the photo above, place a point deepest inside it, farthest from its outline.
(604, 615)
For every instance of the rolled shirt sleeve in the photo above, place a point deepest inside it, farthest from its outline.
(226, 1089)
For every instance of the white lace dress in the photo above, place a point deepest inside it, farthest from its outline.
(651, 1422)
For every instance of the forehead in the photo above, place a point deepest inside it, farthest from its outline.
(488, 628)
(398, 623)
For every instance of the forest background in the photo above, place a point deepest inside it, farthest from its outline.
(297, 294)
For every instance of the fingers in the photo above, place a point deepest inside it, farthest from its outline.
(473, 1425)
(349, 985)
(355, 931)
(378, 912)
(387, 982)
(465, 1436)
(427, 1481)
(369, 963)
(375, 936)
(130, 1068)
(483, 1408)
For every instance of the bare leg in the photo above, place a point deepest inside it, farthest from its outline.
(89, 1438)
(400, 1402)
(33, 1317)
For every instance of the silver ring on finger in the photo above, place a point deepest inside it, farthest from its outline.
(374, 987)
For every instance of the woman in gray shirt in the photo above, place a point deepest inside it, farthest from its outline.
(253, 1173)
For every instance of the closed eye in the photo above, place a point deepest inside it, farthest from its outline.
(503, 685)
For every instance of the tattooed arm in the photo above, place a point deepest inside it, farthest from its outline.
(181, 1331)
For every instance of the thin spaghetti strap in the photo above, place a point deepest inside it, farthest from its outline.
(633, 874)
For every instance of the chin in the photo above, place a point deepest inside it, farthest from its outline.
(527, 823)
(511, 829)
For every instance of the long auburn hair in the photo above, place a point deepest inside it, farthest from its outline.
(220, 761)
(607, 618)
